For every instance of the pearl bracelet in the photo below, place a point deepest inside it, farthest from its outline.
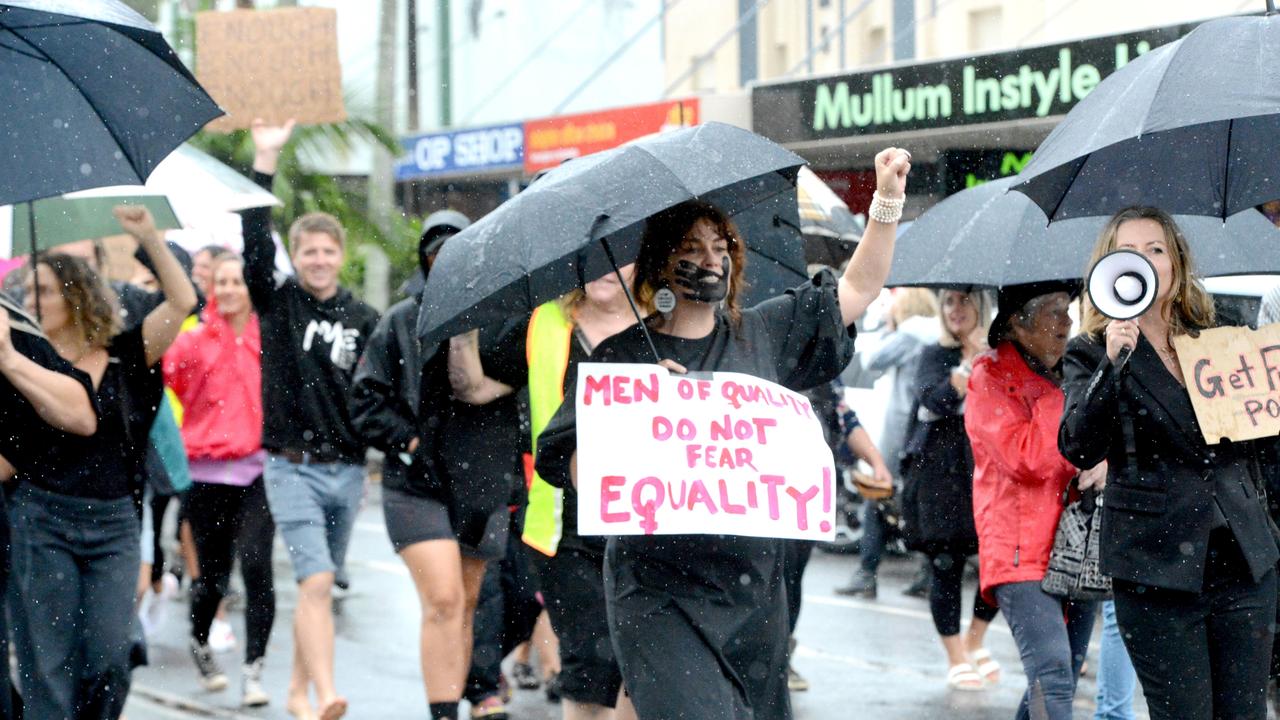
(886, 210)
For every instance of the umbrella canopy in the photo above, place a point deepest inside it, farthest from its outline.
(69, 218)
(1189, 127)
(988, 236)
(830, 229)
(93, 96)
(548, 239)
(188, 189)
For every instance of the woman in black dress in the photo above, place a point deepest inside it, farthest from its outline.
(937, 494)
(699, 622)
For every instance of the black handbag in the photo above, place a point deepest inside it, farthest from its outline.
(1074, 572)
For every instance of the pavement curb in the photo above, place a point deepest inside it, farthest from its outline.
(186, 704)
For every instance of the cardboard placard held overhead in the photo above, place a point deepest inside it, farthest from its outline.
(722, 454)
(1233, 378)
(271, 64)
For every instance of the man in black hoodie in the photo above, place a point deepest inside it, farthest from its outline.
(313, 331)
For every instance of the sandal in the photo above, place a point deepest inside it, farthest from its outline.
(986, 665)
(491, 708)
(964, 677)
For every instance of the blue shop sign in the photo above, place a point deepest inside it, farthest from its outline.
(485, 149)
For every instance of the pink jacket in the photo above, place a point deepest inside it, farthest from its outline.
(218, 378)
(1012, 416)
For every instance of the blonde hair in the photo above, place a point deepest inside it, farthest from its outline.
(913, 302)
(316, 222)
(981, 304)
(1189, 306)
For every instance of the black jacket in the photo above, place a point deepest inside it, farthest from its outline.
(937, 493)
(385, 389)
(309, 352)
(1158, 506)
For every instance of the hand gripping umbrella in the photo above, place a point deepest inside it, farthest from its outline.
(1189, 127)
(585, 218)
(989, 236)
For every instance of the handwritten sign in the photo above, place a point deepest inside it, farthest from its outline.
(1233, 378)
(271, 64)
(727, 454)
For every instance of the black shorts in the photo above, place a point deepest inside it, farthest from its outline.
(413, 519)
(572, 586)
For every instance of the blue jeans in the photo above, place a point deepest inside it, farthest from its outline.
(1052, 650)
(75, 565)
(1116, 676)
(315, 506)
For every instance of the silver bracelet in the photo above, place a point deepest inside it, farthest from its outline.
(886, 210)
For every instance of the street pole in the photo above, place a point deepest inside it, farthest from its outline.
(443, 43)
(411, 49)
(1271, 7)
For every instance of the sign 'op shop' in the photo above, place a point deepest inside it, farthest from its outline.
(488, 149)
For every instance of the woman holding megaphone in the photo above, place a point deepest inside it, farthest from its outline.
(1184, 535)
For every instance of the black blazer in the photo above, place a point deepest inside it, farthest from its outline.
(1158, 505)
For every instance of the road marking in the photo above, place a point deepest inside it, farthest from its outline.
(854, 604)
(176, 706)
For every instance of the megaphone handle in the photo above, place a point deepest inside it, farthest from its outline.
(1122, 357)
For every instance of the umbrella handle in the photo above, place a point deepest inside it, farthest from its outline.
(35, 271)
(630, 300)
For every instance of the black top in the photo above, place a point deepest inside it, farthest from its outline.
(937, 469)
(26, 441)
(468, 452)
(109, 465)
(309, 352)
(1162, 502)
(508, 363)
(796, 339)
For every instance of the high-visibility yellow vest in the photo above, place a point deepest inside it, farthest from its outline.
(547, 353)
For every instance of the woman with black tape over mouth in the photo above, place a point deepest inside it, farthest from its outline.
(699, 622)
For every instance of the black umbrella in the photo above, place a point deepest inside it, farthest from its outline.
(989, 236)
(1189, 127)
(93, 96)
(584, 217)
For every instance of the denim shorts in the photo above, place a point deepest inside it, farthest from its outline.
(315, 506)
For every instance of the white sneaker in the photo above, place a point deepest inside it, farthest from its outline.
(252, 693)
(154, 609)
(221, 637)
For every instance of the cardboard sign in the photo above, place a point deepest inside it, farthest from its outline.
(1233, 378)
(725, 454)
(271, 64)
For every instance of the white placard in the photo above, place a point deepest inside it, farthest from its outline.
(721, 454)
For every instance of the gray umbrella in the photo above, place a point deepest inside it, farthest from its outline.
(989, 236)
(550, 238)
(1189, 127)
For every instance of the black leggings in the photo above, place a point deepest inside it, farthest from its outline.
(944, 595)
(223, 517)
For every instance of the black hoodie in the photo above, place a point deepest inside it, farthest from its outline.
(309, 352)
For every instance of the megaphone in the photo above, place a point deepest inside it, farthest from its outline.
(1122, 285)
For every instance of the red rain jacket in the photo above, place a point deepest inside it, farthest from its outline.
(218, 378)
(1012, 416)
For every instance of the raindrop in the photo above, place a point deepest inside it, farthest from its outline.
(744, 579)
(1186, 548)
(308, 435)
(86, 169)
(58, 124)
(143, 112)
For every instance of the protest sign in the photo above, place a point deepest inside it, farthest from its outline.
(721, 454)
(1233, 378)
(271, 64)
